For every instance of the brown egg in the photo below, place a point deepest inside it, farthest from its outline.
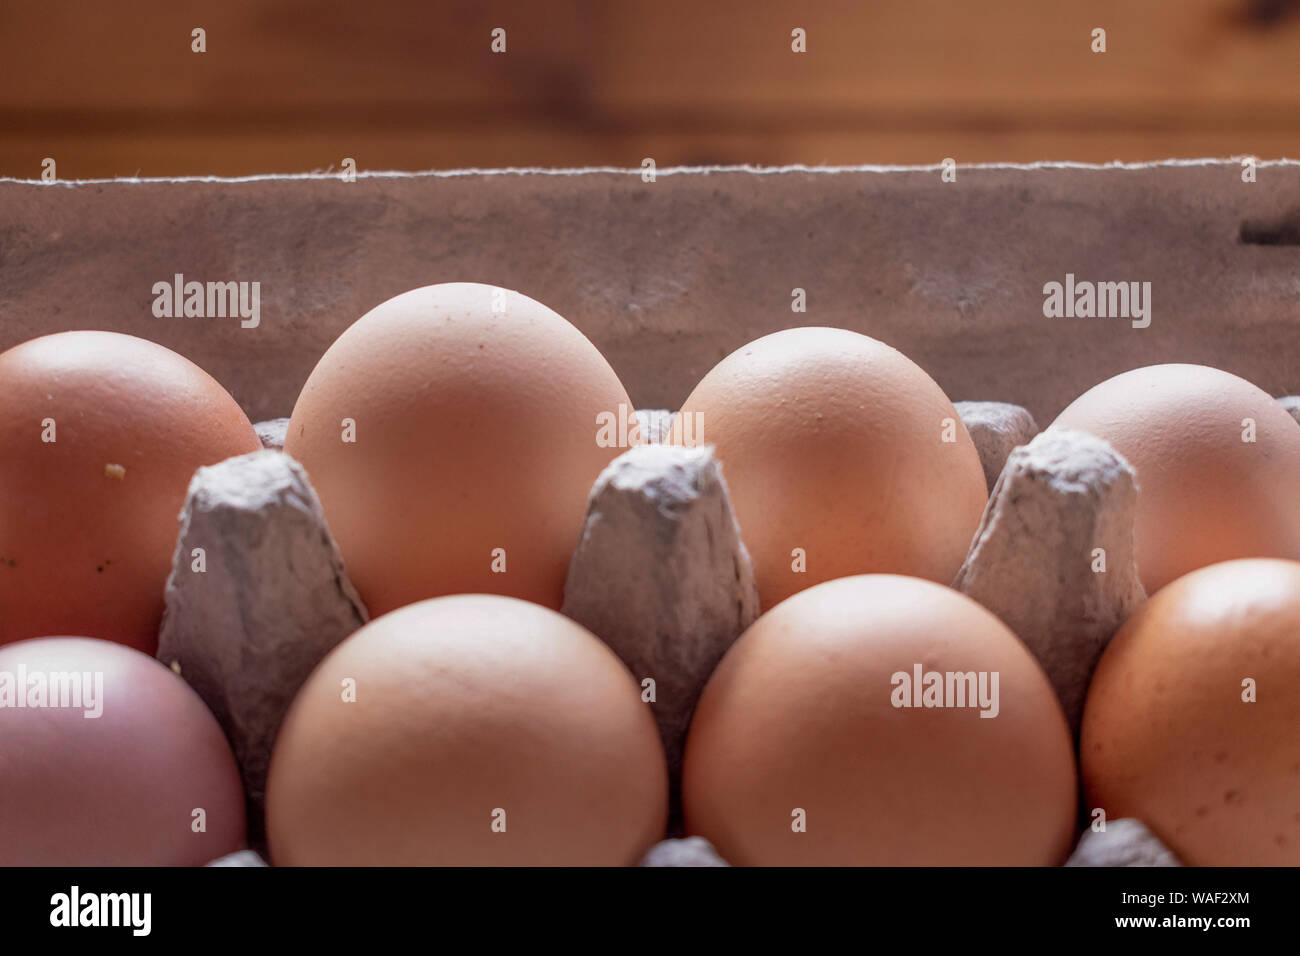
(842, 457)
(804, 725)
(107, 758)
(484, 730)
(477, 437)
(1192, 723)
(1216, 461)
(101, 434)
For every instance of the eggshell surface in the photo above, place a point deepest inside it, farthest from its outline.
(475, 442)
(834, 449)
(120, 788)
(799, 727)
(101, 434)
(1192, 723)
(1217, 461)
(485, 731)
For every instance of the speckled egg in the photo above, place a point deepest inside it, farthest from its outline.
(1216, 458)
(468, 730)
(100, 434)
(1192, 723)
(880, 720)
(453, 434)
(842, 457)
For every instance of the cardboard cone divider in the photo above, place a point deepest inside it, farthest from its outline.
(661, 574)
(272, 599)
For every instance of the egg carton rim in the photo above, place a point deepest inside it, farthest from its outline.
(756, 170)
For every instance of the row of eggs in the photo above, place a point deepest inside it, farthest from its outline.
(490, 729)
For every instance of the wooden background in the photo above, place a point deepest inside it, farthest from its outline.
(112, 88)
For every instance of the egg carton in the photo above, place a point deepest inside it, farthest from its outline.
(666, 277)
(661, 574)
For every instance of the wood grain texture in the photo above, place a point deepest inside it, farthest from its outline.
(109, 89)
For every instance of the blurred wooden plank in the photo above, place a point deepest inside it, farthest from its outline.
(916, 54)
(643, 55)
(288, 85)
(272, 54)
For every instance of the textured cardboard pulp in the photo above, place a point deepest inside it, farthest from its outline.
(667, 277)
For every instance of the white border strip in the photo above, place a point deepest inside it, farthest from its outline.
(636, 171)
